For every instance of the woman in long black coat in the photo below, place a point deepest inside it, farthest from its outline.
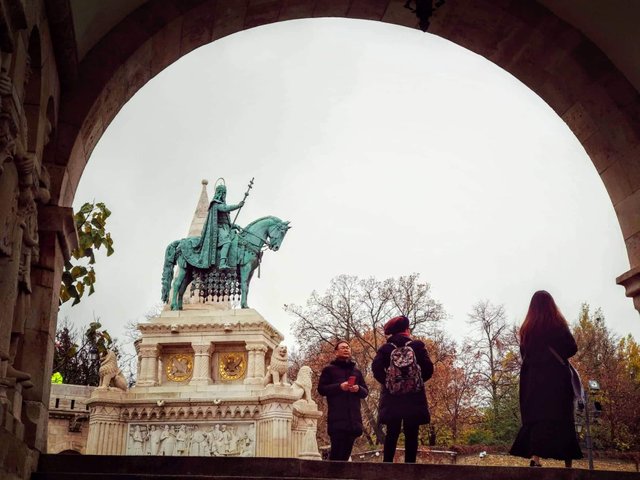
(407, 411)
(546, 392)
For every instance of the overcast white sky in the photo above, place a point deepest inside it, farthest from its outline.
(390, 151)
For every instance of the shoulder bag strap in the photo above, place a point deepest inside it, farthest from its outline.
(558, 357)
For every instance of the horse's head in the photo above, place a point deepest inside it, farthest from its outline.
(276, 233)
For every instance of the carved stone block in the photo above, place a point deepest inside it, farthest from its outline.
(203, 439)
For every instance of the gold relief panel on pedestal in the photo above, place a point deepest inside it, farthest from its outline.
(232, 365)
(179, 367)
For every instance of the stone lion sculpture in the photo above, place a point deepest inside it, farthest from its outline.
(302, 384)
(277, 371)
(110, 374)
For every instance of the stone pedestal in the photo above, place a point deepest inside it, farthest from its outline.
(275, 420)
(305, 427)
(201, 393)
(107, 428)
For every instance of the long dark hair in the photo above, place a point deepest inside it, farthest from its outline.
(542, 317)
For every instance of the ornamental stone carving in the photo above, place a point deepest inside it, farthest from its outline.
(232, 365)
(8, 119)
(179, 367)
(234, 411)
(110, 374)
(206, 439)
(277, 370)
(301, 387)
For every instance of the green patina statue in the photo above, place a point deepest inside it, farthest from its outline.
(216, 234)
(220, 262)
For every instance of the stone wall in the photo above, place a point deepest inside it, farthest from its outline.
(68, 427)
(36, 233)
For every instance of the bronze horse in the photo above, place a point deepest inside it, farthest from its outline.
(266, 231)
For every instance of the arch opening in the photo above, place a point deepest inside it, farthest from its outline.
(549, 55)
(424, 136)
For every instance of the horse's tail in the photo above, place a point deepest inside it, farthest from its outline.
(170, 256)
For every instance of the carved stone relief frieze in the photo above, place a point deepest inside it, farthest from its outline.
(9, 194)
(8, 134)
(210, 439)
(34, 191)
(8, 115)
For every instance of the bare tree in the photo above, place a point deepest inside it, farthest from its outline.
(452, 389)
(494, 345)
(355, 309)
(129, 357)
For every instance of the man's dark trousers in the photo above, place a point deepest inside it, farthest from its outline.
(341, 445)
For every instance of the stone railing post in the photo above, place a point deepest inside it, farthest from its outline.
(251, 361)
(260, 369)
(148, 375)
(201, 365)
(255, 363)
(274, 423)
(304, 429)
(107, 433)
(251, 364)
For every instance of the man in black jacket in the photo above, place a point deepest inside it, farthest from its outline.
(343, 385)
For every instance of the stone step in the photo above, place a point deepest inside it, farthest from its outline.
(73, 467)
(149, 476)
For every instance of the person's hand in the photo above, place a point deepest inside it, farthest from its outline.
(354, 388)
(345, 386)
(242, 203)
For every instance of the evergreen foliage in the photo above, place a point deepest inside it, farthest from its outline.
(77, 355)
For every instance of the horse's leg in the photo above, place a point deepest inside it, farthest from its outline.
(183, 286)
(176, 300)
(252, 269)
(246, 272)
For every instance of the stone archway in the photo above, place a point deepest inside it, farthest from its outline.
(550, 56)
(66, 448)
(77, 99)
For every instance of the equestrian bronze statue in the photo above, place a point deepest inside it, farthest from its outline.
(221, 261)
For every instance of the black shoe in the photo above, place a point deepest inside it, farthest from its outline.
(534, 464)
